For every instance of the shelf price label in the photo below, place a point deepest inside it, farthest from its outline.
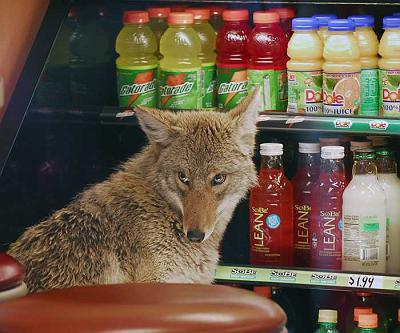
(365, 281)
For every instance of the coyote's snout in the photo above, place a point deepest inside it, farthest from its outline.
(161, 217)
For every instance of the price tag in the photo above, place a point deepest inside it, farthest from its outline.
(365, 281)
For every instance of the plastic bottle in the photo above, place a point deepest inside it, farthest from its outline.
(137, 62)
(356, 145)
(369, 81)
(327, 320)
(267, 61)
(305, 67)
(341, 84)
(180, 68)
(368, 323)
(387, 177)
(286, 15)
(232, 58)
(303, 181)
(326, 210)
(352, 324)
(323, 20)
(389, 65)
(271, 211)
(158, 23)
(207, 55)
(216, 17)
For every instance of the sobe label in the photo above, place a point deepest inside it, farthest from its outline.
(301, 220)
(180, 89)
(390, 92)
(137, 86)
(231, 86)
(305, 91)
(369, 92)
(274, 87)
(341, 93)
(210, 84)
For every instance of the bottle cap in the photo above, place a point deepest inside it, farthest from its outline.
(304, 23)
(284, 12)
(158, 11)
(135, 16)
(378, 141)
(265, 17)
(323, 19)
(341, 25)
(176, 18)
(235, 15)
(216, 10)
(263, 291)
(362, 20)
(329, 142)
(332, 152)
(391, 22)
(199, 13)
(361, 310)
(355, 145)
(327, 316)
(309, 148)
(368, 320)
(271, 149)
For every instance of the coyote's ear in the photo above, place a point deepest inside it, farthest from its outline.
(159, 125)
(245, 117)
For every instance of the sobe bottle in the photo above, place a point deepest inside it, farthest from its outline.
(326, 210)
(267, 61)
(369, 81)
(389, 65)
(305, 67)
(341, 78)
(158, 23)
(303, 181)
(207, 55)
(364, 218)
(323, 20)
(271, 211)
(232, 58)
(180, 68)
(137, 62)
(327, 321)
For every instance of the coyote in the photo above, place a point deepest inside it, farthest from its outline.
(161, 217)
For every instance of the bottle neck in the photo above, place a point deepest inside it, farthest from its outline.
(364, 167)
(332, 166)
(327, 325)
(271, 162)
(386, 164)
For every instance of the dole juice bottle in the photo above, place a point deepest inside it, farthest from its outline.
(303, 181)
(207, 55)
(271, 211)
(180, 68)
(305, 67)
(369, 81)
(323, 20)
(267, 61)
(389, 65)
(326, 210)
(137, 62)
(286, 15)
(341, 77)
(158, 23)
(232, 57)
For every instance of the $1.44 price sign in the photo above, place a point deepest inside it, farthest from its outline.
(365, 281)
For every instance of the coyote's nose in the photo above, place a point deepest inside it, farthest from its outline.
(195, 235)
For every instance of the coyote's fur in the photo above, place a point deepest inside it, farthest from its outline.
(161, 217)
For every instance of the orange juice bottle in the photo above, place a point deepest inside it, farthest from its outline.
(323, 20)
(389, 65)
(341, 77)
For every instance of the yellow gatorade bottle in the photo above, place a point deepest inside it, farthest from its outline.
(323, 20)
(341, 69)
(389, 65)
(305, 67)
(369, 84)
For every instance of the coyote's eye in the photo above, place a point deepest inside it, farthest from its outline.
(183, 178)
(218, 179)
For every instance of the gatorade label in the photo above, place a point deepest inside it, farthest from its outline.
(341, 93)
(305, 92)
(274, 87)
(390, 93)
(137, 86)
(232, 86)
(210, 84)
(180, 89)
(369, 92)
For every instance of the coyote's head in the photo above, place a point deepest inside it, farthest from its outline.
(203, 162)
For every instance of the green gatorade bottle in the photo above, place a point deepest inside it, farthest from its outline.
(327, 320)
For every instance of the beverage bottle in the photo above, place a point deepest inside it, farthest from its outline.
(305, 67)
(368, 323)
(387, 177)
(216, 17)
(267, 61)
(180, 68)
(207, 55)
(327, 320)
(341, 78)
(158, 23)
(368, 44)
(286, 15)
(271, 211)
(303, 181)
(326, 210)
(389, 65)
(137, 62)
(232, 56)
(352, 324)
(356, 145)
(323, 20)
